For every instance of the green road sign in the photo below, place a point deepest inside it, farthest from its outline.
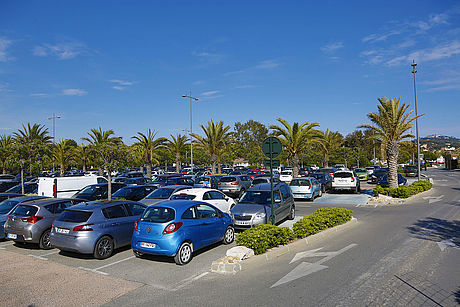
(273, 145)
(275, 163)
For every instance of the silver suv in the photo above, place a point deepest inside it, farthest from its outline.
(234, 186)
(254, 206)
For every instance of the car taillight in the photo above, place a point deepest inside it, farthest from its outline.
(352, 179)
(234, 183)
(219, 183)
(136, 225)
(86, 227)
(172, 228)
(32, 219)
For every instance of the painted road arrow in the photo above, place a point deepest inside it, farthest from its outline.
(434, 199)
(447, 243)
(307, 268)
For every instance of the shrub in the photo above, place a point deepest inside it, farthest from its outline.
(264, 236)
(321, 219)
(404, 191)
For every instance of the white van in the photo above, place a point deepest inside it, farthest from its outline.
(65, 187)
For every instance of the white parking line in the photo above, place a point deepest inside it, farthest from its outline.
(96, 270)
(42, 257)
(6, 244)
(190, 280)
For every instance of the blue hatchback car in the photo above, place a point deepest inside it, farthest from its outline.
(177, 228)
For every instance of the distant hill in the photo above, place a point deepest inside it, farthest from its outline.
(437, 141)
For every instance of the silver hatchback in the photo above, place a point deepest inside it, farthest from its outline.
(234, 186)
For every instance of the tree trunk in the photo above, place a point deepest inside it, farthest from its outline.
(149, 170)
(62, 170)
(22, 180)
(326, 160)
(392, 154)
(213, 163)
(4, 168)
(109, 185)
(295, 166)
(100, 172)
(178, 164)
(84, 166)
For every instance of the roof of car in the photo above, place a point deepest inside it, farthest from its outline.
(46, 201)
(178, 204)
(28, 198)
(91, 205)
(265, 186)
(197, 190)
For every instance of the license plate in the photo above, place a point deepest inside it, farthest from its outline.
(62, 230)
(148, 245)
(243, 222)
(12, 236)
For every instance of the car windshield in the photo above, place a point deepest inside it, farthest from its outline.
(300, 183)
(259, 197)
(411, 167)
(228, 179)
(74, 216)
(90, 190)
(156, 214)
(7, 205)
(161, 193)
(318, 175)
(183, 196)
(343, 175)
(123, 192)
(360, 170)
(23, 210)
(286, 173)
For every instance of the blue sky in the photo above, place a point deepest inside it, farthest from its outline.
(123, 65)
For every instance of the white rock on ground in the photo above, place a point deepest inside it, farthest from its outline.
(241, 252)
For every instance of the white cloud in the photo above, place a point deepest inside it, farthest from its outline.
(380, 37)
(444, 88)
(63, 50)
(332, 47)
(121, 84)
(74, 92)
(437, 53)
(4, 44)
(262, 65)
(245, 86)
(118, 88)
(209, 93)
(41, 95)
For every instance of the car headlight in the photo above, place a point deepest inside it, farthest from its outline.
(259, 216)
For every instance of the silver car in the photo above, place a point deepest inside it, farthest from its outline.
(234, 186)
(97, 227)
(31, 222)
(162, 194)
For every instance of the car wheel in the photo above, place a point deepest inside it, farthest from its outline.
(320, 193)
(323, 188)
(292, 213)
(229, 235)
(138, 254)
(184, 255)
(45, 242)
(103, 248)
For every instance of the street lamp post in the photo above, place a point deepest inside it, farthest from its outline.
(414, 71)
(54, 128)
(191, 142)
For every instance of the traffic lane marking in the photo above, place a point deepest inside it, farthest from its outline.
(96, 270)
(42, 257)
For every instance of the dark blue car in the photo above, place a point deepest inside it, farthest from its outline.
(177, 228)
(383, 181)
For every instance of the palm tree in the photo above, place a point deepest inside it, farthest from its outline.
(328, 142)
(390, 125)
(149, 144)
(176, 145)
(295, 139)
(215, 140)
(108, 149)
(63, 154)
(83, 154)
(6, 150)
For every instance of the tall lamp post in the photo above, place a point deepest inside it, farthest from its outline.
(414, 71)
(54, 129)
(191, 142)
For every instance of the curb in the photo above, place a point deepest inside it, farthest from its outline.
(233, 268)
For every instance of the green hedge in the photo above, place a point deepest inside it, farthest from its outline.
(404, 191)
(265, 236)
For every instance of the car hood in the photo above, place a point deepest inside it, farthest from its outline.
(249, 209)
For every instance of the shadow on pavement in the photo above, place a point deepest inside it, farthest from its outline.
(436, 230)
(457, 295)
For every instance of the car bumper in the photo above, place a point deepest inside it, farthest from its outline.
(79, 244)
(23, 235)
(303, 195)
(165, 246)
(248, 224)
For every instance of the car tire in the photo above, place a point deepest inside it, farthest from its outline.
(44, 242)
(138, 254)
(184, 254)
(292, 213)
(323, 189)
(103, 248)
(229, 235)
(320, 193)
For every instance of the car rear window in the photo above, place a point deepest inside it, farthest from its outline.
(161, 193)
(300, 183)
(200, 180)
(158, 215)
(228, 179)
(343, 175)
(286, 173)
(183, 196)
(7, 205)
(259, 180)
(75, 216)
(23, 210)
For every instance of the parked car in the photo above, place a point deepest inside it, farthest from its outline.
(4, 196)
(134, 192)
(375, 177)
(361, 173)
(6, 184)
(411, 171)
(29, 188)
(327, 170)
(210, 181)
(286, 176)
(138, 180)
(65, 187)
(31, 222)
(345, 180)
(383, 181)
(160, 180)
(180, 181)
(97, 227)
(177, 228)
(97, 191)
(254, 206)
(234, 186)
(162, 194)
(325, 179)
(8, 205)
(264, 179)
(210, 196)
(306, 188)
(253, 172)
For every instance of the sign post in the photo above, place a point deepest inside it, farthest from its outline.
(271, 147)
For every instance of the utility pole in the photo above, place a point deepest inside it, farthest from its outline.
(414, 71)
(54, 128)
(191, 142)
